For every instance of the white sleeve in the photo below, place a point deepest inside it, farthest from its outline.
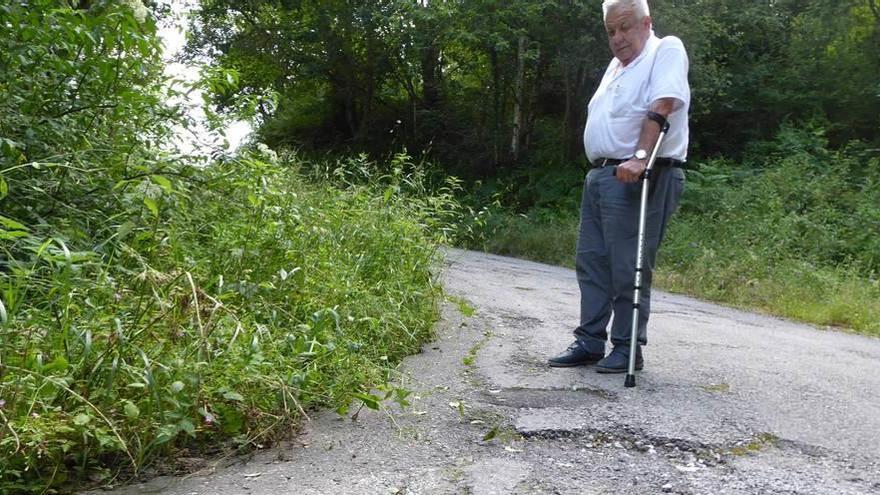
(669, 73)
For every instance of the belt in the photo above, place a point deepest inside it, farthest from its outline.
(659, 162)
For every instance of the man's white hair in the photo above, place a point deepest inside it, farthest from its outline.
(640, 7)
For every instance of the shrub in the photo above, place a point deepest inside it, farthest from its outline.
(240, 299)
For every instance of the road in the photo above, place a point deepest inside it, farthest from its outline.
(729, 402)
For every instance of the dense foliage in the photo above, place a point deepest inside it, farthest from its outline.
(794, 232)
(489, 83)
(81, 95)
(148, 305)
(792, 229)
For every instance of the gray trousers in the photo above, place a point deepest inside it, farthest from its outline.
(606, 251)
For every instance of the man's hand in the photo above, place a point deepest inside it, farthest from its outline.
(631, 170)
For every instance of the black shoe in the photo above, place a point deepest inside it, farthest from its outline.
(575, 355)
(617, 360)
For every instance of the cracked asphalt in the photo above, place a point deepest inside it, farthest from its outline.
(729, 403)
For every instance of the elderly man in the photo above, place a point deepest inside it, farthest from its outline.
(644, 85)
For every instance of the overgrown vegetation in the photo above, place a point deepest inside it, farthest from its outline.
(791, 230)
(147, 304)
(249, 298)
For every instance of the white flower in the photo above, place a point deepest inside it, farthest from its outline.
(138, 10)
(267, 153)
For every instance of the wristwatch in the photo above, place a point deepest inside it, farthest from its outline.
(641, 155)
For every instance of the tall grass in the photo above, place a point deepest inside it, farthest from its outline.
(796, 232)
(147, 304)
(793, 230)
(539, 235)
(532, 213)
(222, 305)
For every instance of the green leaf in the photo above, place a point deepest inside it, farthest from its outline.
(491, 434)
(163, 182)
(8, 146)
(131, 410)
(11, 224)
(81, 419)
(152, 205)
(177, 386)
(125, 228)
(43, 247)
(15, 234)
(166, 433)
(4, 188)
(57, 364)
(400, 395)
(369, 400)
(187, 426)
(232, 395)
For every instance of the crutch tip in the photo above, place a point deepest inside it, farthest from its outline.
(630, 381)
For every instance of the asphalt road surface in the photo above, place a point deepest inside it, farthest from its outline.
(728, 403)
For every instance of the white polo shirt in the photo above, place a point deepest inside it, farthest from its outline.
(617, 110)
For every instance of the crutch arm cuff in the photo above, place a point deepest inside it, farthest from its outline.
(659, 119)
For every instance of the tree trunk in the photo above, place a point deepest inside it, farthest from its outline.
(518, 99)
(431, 76)
(431, 72)
(530, 105)
(496, 105)
(574, 116)
(367, 86)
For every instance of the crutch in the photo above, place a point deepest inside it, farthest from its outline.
(640, 253)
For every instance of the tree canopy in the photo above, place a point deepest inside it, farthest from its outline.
(488, 83)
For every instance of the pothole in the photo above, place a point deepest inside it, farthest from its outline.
(514, 320)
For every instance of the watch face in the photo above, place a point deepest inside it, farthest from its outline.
(641, 154)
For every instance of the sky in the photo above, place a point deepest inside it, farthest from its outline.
(198, 140)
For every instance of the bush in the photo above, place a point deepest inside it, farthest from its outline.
(801, 202)
(793, 234)
(791, 230)
(240, 298)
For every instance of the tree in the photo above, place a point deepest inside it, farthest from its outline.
(489, 85)
(83, 95)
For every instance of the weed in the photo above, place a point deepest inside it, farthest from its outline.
(717, 388)
(257, 297)
(471, 357)
(756, 444)
(464, 307)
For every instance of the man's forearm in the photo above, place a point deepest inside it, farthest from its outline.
(651, 128)
(632, 169)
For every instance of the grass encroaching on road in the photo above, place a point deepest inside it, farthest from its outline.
(793, 233)
(218, 313)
